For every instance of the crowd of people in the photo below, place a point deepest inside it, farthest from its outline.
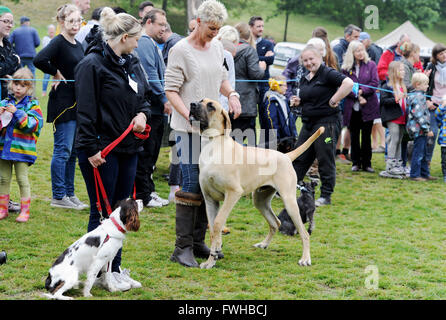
(118, 70)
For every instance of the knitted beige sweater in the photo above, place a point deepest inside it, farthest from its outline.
(195, 75)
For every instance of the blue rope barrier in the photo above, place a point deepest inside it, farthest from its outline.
(237, 80)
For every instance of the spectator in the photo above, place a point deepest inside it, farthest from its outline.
(229, 38)
(436, 70)
(183, 77)
(154, 24)
(418, 127)
(25, 40)
(393, 115)
(373, 50)
(393, 53)
(83, 5)
(281, 120)
(265, 51)
(59, 58)
(18, 141)
(8, 65)
(85, 30)
(362, 108)
(51, 32)
(440, 117)
(170, 39)
(410, 56)
(321, 90)
(11, 61)
(192, 25)
(330, 57)
(144, 9)
(351, 32)
(107, 105)
(293, 73)
(247, 67)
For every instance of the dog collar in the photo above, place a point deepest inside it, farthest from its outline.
(117, 225)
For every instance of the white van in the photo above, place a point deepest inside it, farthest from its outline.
(284, 51)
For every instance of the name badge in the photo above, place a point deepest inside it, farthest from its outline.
(133, 84)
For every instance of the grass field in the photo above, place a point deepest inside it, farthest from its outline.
(394, 227)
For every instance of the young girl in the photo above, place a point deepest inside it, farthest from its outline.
(21, 121)
(278, 113)
(393, 116)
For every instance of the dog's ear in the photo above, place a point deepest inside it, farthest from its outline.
(314, 183)
(129, 215)
(227, 122)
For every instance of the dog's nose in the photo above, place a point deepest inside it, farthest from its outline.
(193, 105)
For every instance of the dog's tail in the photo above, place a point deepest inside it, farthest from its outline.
(301, 149)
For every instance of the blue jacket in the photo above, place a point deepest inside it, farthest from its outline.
(25, 41)
(263, 46)
(276, 117)
(440, 116)
(153, 64)
(340, 50)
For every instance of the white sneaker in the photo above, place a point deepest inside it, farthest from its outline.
(156, 196)
(125, 276)
(77, 202)
(153, 203)
(119, 282)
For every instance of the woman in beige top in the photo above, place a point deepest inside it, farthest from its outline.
(195, 71)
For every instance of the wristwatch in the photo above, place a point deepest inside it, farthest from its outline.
(233, 93)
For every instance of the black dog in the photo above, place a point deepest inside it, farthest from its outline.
(306, 209)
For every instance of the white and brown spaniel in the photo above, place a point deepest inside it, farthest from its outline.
(93, 252)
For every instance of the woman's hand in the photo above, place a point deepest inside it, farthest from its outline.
(234, 106)
(139, 122)
(60, 77)
(96, 160)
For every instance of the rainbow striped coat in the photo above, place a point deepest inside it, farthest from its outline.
(18, 139)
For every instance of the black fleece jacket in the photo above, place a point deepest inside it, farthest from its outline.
(106, 101)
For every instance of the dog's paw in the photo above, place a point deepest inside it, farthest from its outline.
(87, 294)
(209, 264)
(261, 245)
(305, 262)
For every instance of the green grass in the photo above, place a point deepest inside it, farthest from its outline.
(397, 226)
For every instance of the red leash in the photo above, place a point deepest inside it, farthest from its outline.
(97, 177)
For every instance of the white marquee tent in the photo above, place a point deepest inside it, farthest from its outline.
(415, 35)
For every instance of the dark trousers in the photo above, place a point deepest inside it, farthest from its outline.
(323, 149)
(443, 161)
(118, 175)
(361, 142)
(243, 124)
(147, 159)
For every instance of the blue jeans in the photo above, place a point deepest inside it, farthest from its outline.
(188, 150)
(28, 62)
(419, 167)
(434, 128)
(118, 176)
(63, 164)
(46, 78)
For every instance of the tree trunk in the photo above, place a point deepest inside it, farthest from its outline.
(192, 6)
(165, 5)
(286, 25)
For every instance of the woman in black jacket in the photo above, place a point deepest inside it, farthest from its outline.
(247, 67)
(59, 58)
(9, 60)
(111, 93)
